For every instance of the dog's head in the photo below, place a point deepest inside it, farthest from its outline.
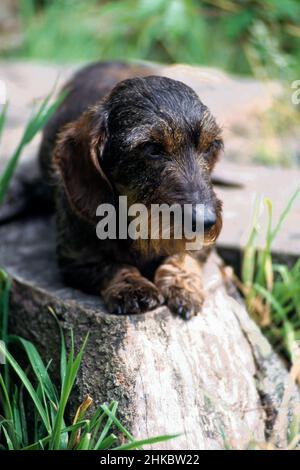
(151, 140)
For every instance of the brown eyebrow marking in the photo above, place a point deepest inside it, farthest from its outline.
(166, 136)
(173, 137)
(210, 133)
(138, 135)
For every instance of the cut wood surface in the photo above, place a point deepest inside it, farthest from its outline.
(214, 379)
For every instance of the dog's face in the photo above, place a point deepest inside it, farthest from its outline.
(151, 140)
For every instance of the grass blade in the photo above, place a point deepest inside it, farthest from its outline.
(63, 350)
(39, 369)
(284, 214)
(33, 127)
(111, 417)
(25, 381)
(68, 382)
(5, 285)
(144, 442)
(8, 440)
(3, 119)
(5, 401)
(108, 442)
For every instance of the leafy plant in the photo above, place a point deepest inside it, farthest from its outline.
(35, 124)
(260, 38)
(214, 32)
(32, 408)
(272, 291)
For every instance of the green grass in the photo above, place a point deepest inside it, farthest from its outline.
(272, 290)
(33, 409)
(229, 34)
(35, 124)
(259, 38)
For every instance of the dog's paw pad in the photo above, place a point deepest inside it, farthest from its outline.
(184, 303)
(133, 298)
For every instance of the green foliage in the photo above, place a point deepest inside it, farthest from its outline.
(35, 124)
(272, 290)
(32, 408)
(230, 34)
(2, 119)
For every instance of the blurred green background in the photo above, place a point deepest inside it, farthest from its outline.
(240, 36)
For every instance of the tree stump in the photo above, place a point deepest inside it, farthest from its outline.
(214, 379)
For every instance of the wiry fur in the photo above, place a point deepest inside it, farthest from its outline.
(148, 138)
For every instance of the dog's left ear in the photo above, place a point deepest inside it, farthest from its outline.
(77, 157)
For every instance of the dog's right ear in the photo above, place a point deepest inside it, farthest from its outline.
(77, 158)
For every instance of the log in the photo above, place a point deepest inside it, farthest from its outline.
(214, 379)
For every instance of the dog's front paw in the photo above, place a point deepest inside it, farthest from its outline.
(179, 279)
(183, 302)
(131, 294)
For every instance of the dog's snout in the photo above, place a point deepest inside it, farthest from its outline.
(208, 217)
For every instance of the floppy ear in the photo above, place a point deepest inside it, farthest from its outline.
(77, 157)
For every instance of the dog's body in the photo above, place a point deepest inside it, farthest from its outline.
(152, 140)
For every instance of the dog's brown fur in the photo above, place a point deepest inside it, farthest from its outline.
(152, 140)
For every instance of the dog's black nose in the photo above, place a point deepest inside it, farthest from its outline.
(208, 219)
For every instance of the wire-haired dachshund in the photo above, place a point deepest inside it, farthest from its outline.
(124, 131)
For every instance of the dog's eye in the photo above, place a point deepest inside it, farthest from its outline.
(213, 148)
(152, 150)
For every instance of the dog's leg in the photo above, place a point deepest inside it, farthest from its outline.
(129, 292)
(123, 288)
(179, 279)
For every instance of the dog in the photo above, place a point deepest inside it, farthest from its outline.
(122, 130)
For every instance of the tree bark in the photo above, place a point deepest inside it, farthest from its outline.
(214, 379)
